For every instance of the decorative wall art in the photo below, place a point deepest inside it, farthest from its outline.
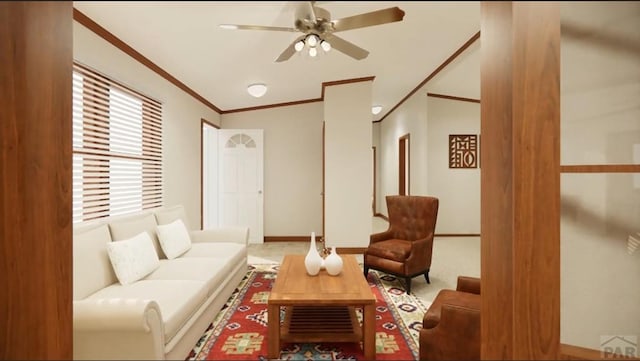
(463, 151)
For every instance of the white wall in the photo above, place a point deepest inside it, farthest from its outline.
(411, 118)
(348, 165)
(457, 189)
(600, 124)
(181, 115)
(292, 166)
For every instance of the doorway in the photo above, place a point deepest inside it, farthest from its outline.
(209, 175)
(240, 180)
(403, 165)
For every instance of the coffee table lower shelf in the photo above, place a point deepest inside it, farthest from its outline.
(321, 324)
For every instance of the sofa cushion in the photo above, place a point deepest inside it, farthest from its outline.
(178, 300)
(129, 226)
(232, 253)
(174, 238)
(92, 269)
(211, 271)
(133, 258)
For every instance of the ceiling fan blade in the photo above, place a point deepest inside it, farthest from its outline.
(289, 51)
(378, 17)
(347, 47)
(306, 11)
(255, 27)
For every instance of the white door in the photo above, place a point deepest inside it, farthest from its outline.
(241, 179)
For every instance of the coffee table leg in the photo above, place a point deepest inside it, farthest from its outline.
(369, 332)
(273, 331)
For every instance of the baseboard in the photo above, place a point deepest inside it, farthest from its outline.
(350, 250)
(290, 238)
(457, 235)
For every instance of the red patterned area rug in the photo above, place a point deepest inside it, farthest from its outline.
(239, 331)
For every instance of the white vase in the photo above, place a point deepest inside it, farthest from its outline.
(333, 263)
(313, 261)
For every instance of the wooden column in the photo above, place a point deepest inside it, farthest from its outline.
(35, 180)
(520, 177)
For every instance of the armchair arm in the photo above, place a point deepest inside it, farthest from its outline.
(377, 237)
(221, 234)
(468, 284)
(455, 337)
(117, 328)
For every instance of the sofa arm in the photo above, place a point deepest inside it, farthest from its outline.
(468, 284)
(117, 329)
(222, 234)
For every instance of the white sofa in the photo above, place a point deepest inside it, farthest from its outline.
(163, 315)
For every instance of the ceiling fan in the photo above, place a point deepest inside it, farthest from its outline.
(318, 29)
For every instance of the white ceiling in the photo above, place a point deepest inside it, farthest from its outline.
(184, 39)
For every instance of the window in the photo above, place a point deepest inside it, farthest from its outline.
(117, 148)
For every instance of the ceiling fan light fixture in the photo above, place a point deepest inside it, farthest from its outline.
(313, 52)
(312, 40)
(325, 45)
(376, 109)
(299, 45)
(257, 90)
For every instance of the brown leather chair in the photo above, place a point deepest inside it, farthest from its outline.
(451, 325)
(405, 249)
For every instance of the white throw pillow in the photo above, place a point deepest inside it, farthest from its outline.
(174, 238)
(133, 258)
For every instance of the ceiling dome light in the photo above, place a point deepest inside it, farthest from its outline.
(325, 45)
(313, 52)
(376, 109)
(312, 40)
(299, 45)
(257, 90)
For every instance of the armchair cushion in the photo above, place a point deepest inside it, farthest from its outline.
(393, 249)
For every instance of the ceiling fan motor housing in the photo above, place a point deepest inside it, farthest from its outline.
(320, 26)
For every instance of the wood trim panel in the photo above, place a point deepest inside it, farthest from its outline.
(451, 97)
(36, 53)
(435, 72)
(520, 178)
(268, 106)
(350, 250)
(571, 352)
(344, 81)
(601, 168)
(127, 49)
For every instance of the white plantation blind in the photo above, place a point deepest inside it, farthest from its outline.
(117, 148)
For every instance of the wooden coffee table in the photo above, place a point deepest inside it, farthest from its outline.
(320, 308)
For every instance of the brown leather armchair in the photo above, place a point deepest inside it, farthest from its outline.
(405, 249)
(451, 325)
